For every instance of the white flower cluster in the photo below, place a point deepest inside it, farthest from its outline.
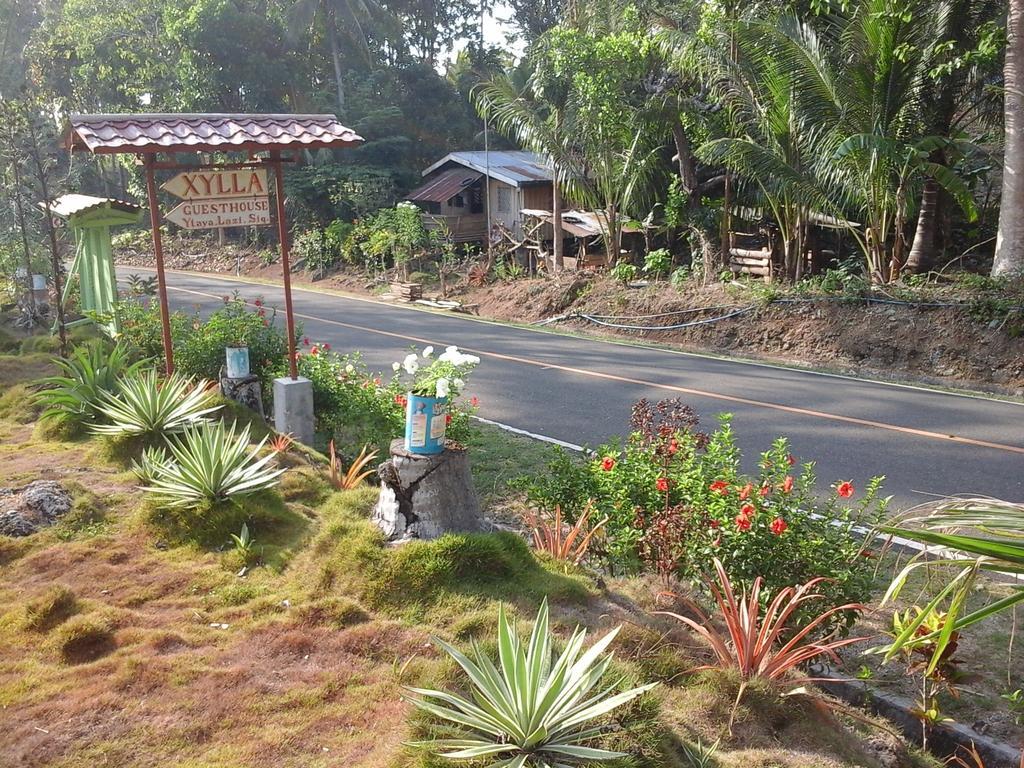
(451, 355)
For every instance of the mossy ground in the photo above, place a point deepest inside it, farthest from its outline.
(127, 637)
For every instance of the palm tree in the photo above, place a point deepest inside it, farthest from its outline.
(350, 20)
(775, 146)
(1009, 255)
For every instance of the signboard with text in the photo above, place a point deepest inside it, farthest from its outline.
(214, 214)
(220, 198)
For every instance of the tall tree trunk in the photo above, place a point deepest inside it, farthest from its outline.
(922, 252)
(1009, 255)
(336, 60)
(687, 164)
(19, 212)
(556, 225)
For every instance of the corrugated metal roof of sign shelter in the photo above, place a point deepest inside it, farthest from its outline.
(69, 205)
(150, 133)
(515, 167)
(445, 185)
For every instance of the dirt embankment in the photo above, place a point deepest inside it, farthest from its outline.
(893, 341)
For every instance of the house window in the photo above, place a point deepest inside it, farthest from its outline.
(504, 199)
(458, 202)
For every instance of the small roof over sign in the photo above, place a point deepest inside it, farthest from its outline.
(151, 133)
(67, 206)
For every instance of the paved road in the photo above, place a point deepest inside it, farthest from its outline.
(580, 390)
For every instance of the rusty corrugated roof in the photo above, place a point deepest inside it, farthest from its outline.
(148, 133)
(514, 167)
(444, 186)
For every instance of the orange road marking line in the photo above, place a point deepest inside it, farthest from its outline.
(672, 387)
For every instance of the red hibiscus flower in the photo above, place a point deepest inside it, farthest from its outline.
(305, 341)
(787, 484)
(765, 490)
(262, 313)
(673, 446)
(400, 400)
(447, 418)
(866, 553)
(474, 401)
(778, 526)
(713, 524)
(845, 489)
(315, 350)
(607, 463)
(662, 484)
(720, 486)
(266, 323)
(376, 380)
(790, 459)
(742, 523)
(747, 510)
(325, 347)
(745, 491)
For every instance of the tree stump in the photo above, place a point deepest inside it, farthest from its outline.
(424, 497)
(247, 391)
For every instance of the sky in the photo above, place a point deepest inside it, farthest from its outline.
(495, 31)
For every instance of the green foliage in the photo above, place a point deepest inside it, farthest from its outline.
(199, 345)
(624, 272)
(92, 371)
(392, 237)
(676, 499)
(680, 277)
(356, 407)
(323, 249)
(210, 463)
(532, 709)
(992, 539)
(146, 407)
(658, 262)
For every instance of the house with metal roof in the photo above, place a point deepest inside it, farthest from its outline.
(459, 188)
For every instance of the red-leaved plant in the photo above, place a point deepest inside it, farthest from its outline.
(762, 646)
(569, 544)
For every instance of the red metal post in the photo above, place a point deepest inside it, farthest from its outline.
(154, 223)
(282, 236)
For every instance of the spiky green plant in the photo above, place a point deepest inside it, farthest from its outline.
(969, 537)
(209, 463)
(146, 406)
(531, 709)
(92, 371)
(151, 465)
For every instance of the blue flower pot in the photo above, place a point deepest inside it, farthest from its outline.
(237, 362)
(425, 421)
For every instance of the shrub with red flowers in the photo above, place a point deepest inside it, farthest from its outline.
(676, 499)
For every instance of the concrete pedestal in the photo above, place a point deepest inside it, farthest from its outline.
(423, 497)
(293, 408)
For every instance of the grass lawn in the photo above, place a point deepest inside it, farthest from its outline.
(128, 637)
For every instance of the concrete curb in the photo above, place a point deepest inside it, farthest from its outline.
(945, 739)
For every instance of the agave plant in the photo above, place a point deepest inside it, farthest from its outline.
(211, 462)
(92, 371)
(531, 709)
(764, 646)
(970, 536)
(348, 479)
(144, 405)
(151, 465)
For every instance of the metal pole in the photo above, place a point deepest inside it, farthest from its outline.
(487, 148)
(282, 236)
(158, 249)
